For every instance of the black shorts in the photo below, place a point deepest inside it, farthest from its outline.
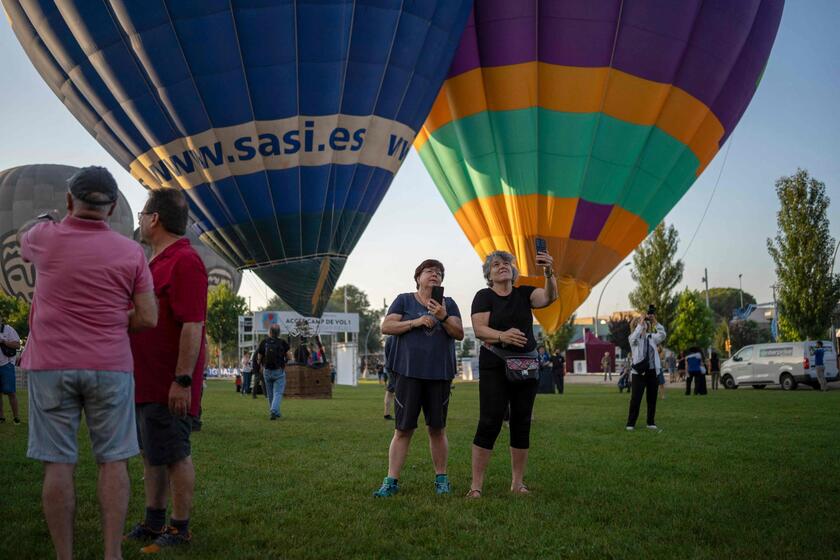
(412, 395)
(164, 438)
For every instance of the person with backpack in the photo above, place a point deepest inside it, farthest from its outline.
(272, 356)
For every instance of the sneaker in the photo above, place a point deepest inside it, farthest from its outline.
(170, 537)
(16, 421)
(389, 488)
(630, 428)
(442, 486)
(652, 427)
(142, 532)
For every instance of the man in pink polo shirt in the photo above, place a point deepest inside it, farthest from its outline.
(168, 367)
(78, 354)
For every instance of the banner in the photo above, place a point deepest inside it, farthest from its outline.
(296, 324)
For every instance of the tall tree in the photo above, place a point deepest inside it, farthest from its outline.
(562, 336)
(657, 272)
(724, 301)
(808, 290)
(223, 311)
(693, 323)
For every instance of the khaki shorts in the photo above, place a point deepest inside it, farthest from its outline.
(56, 402)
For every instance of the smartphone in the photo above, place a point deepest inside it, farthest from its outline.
(437, 294)
(541, 245)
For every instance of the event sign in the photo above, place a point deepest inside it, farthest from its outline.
(294, 323)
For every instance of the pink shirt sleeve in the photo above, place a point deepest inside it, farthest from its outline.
(31, 243)
(143, 281)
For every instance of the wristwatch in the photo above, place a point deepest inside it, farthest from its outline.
(445, 318)
(183, 380)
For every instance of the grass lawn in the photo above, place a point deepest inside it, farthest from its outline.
(736, 474)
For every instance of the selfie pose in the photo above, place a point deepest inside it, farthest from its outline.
(647, 335)
(424, 327)
(502, 319)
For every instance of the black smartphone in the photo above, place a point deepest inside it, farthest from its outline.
(437, 294)
(540, 244)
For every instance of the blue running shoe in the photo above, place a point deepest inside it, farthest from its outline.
(389, 488)
(442, 487)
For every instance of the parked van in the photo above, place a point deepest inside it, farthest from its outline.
(782, 363)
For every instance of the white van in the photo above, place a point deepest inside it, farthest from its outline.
(782, 363)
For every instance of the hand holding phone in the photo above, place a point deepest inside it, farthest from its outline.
(437, 294)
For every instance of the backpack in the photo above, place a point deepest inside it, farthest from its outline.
(8, 352)
(273, 357)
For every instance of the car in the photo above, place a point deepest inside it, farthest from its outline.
(780, 363)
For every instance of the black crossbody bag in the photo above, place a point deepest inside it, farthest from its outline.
(519, 367)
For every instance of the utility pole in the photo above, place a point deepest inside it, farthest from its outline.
(345, 309)
(775, 314)
(706, 280)
(741, 290)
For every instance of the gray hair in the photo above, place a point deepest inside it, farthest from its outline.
(504, 256)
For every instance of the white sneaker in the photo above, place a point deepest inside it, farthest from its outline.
(652, 427)
(629, 428)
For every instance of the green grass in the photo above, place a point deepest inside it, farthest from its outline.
(736, 474)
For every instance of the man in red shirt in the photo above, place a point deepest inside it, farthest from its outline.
(168, 362)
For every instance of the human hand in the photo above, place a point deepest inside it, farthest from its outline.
(179, 400)
(436, 309)
(514, 337)
(545, 260)
(425, 321)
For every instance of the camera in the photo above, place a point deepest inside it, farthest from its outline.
(651, 310)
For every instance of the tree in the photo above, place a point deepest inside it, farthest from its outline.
(657, 273)
(467, 346)
(275, 303)
(15, 312)
(619, 327)
(223, 311)
(369, 319)
(808, 290)
(724, 300)
(720, 337)
(744, 333)
(693, 323)
(562, 336)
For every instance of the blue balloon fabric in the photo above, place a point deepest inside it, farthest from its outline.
(283, 120)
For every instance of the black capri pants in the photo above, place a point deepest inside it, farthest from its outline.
(495, 392)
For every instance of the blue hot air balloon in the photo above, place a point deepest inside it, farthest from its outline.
(283, 120)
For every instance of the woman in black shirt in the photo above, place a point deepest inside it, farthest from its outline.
(501, 317)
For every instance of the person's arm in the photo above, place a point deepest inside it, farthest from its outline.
(481, 327)
(189, 348)
(14, 340)
(636, 334)
(659, 336)
(451, 323)
(543, 297)
(145, 312)
(394, 325)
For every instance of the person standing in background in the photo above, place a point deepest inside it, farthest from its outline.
(558, 370)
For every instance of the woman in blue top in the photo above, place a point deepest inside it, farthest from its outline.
(694, 363)
(423, 361)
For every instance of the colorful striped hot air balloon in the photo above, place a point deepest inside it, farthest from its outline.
(283, 120)
(584, 122)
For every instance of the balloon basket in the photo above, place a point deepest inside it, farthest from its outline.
(305, 382)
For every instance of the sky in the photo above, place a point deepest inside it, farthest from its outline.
(792, 122)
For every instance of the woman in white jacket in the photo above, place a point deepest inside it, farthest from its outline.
(645, 339)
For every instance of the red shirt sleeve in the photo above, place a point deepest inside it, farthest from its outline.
(188, 289)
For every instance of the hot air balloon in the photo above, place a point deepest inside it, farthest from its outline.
(284, 121)
(584, 122)
(26, 192)
(218, 270)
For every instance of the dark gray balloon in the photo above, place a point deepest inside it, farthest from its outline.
(218, 270)
(25, 192)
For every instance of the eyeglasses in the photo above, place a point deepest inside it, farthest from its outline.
(143, 213)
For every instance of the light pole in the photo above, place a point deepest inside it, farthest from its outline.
(833, 332)
(706, 280)
(598, 307)
(741, 290)
(775, 314)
